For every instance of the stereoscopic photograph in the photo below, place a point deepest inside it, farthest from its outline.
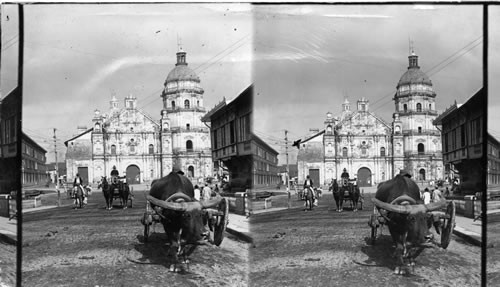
(249, 144)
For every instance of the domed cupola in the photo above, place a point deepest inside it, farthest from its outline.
(182, 78)
(414, 75)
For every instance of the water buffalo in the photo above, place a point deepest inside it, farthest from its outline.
(182, 217)
(407, 217)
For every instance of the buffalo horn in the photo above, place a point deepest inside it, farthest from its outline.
(213, 202)
(407, 209)
(177, 206)
(402, 198)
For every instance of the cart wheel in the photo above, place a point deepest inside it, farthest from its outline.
(374, 234)
(448, 225)
(221, 221)
(146, 232)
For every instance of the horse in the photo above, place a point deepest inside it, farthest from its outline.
(354, 195)
(124, 191)
(338, 195)
(107, 192)
(309, 198)
(78, 193)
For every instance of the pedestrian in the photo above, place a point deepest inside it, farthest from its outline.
(197, 193)
(436, 195)
(447, 192)
(206, 192)
(426, 196)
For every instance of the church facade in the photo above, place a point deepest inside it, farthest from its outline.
(372, 150)
(143, 148)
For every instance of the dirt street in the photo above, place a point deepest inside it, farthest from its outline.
(493, 250)
(7, 264)
(97, 247)
(326, 248)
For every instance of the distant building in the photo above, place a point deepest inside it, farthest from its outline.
(140, 147)
(372, 150)
(249, 161)
(493, 161)
(34, 169)
(10, 126)
(463, 138)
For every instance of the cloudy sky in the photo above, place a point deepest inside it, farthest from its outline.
(304, 59)
(78, 56)
(308, 58)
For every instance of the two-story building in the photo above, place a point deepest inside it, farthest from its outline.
(248, 160)
(463, 143)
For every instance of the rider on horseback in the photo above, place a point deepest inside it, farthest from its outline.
(114, 178)
(308, 184)
(78, 184)
(344, 176)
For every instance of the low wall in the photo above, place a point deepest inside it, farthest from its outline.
(8, 205)
(465, 208)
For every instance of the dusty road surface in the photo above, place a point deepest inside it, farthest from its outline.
(493, 250)
(7, 264)
(326, 248)
(96, 247)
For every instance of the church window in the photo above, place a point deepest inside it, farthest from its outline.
(430, 107)
(132, 148)
(344, 152)
(198, 103)
(382, 151)
(329, 129)
(419, 107)
(188, 127)
(191, 171)
(419, 130)
(405, 108)
(421, 148)
(113, 149)
(397, 129)
(131, 129)
(186, 104)
(363, 150)
(151, 149)
(173, 104)
(189, 145)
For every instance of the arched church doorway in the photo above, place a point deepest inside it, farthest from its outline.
(133, 174)
(364, 177)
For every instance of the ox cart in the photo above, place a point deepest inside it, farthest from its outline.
(216, 220)
(446, 216)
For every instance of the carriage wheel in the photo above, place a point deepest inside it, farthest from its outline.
(374, 234)
(146, 232)
(221, 222)
(448, 225)
(147, 221)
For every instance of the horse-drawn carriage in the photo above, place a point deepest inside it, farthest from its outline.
(116, 189)
(445, 216)
(348, 190)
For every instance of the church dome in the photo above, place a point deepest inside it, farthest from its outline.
(182, 72)
(414, 75)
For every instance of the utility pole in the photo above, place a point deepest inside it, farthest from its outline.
(57, 171)
(287, 169)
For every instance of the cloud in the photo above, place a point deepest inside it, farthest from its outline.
(362, 16)
(112, 68)
(423, 7)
